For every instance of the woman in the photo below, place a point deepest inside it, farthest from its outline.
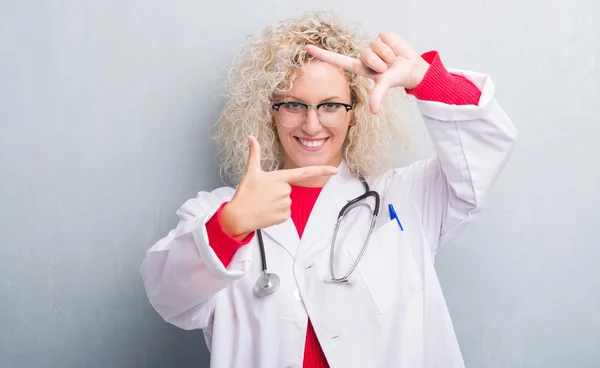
(312, 119)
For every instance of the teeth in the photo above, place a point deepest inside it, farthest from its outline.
(312, 143)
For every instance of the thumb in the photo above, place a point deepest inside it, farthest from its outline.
(377, 95)
(253, 155)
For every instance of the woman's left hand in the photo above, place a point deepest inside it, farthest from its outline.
(389, 61)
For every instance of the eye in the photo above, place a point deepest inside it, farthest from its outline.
(293, 106)
(330, 107)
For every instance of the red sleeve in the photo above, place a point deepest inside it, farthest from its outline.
(442, 86)
(222, 243)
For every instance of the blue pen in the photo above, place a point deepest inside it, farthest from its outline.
(394, 216)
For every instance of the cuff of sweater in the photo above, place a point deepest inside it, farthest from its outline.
(440, 85)
(222, 243)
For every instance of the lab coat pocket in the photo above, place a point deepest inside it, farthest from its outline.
(389, 268)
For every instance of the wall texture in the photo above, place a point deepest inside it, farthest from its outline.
(105, 116)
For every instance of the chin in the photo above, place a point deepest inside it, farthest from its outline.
(313, 161)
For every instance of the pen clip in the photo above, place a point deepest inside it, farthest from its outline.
(394, 215)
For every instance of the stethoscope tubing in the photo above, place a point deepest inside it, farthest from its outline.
(268, 283)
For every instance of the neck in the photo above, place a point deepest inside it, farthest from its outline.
(314, 182)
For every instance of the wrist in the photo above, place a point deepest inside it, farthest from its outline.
(419, 74)
(233, 223)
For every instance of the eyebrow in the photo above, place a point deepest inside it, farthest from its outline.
(328, 99)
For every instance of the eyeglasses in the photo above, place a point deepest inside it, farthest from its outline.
(293, 114)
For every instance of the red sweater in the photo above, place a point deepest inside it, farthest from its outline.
(437, 85)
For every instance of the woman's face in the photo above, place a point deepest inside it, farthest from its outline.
(310, 143)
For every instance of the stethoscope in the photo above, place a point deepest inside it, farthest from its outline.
(268, 282)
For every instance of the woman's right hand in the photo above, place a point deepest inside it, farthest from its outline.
(263, 198)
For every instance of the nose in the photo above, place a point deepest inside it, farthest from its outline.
(311, 125)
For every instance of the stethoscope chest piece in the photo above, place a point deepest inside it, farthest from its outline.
(266, 284)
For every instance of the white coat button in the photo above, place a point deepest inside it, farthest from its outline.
(297, 294)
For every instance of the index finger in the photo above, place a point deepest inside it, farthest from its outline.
(398, 45)
(301, 173)
(345, 62)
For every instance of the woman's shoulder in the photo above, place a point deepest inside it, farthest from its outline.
(206, 201)
(407, 173)
(219, 194)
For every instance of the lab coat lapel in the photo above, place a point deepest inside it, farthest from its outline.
(286, 235)
(340, 189)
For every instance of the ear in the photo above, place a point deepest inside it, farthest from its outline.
(273, 122)
(352, 121)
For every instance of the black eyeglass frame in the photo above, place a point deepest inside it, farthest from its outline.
(346, 106)
(276, 106)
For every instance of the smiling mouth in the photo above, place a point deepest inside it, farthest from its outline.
(311, 144)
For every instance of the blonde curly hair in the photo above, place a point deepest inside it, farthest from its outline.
(268, 66)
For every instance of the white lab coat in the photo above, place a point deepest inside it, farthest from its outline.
(394, 313)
